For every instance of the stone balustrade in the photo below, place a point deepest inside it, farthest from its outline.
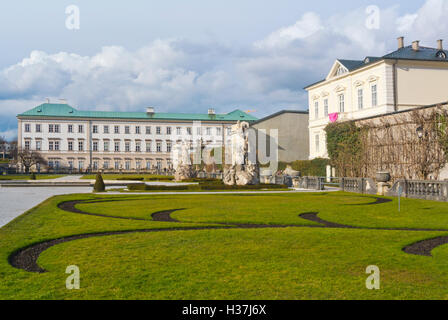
(421, 189)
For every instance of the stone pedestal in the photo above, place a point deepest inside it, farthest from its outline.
(184, 172)
(383, 188)
(241, 175)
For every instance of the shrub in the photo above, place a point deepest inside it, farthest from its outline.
(316, 167)
(33, 176)
(99, 184)
(131, 179)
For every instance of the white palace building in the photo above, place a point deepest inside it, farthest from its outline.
(412, 76)
(116, 141)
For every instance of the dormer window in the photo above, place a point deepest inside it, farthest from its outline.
(441, 55)
(341, 71)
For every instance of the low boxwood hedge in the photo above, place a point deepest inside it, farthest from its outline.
(204, 187)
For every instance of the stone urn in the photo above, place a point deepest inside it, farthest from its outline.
(383, 176)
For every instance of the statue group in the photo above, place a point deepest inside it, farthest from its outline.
(242, 171)
(183, 163)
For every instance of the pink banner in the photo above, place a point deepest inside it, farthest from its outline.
(333, 117)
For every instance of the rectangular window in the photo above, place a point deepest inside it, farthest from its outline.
(218, 131)
(51, 164)
(106, 165)
(341, 103)
(80, 128)
(317, 140)
(138, 146)
(168, 130)
(81, 145)
(374, 96)
(38, 128)
(148, 165)
(117, 146)
(168, 147)
(137, 130)
(128, 165)
(95, 129)
(117, 129)
(50, 128)
(199, 131)
(159, 164)
(117, 165)
(159, 147)
(127, 130)
(70, 146)
(106, 146)
(106, 129)
(95, 146)
(148, 146)
(38, 145)
(158, 130)
(138, 164)
(27, 127)
(208, 131)
(70, 164)
(80, 165)
(56, 146)
(50, 145)
(148, 130)
(56, 128)
(189, 130)
(326, 107)
(316, 110)
(360, 99)
(27, 145)
(70, 128)
(95, 165)
(178, 131)
(127, 147)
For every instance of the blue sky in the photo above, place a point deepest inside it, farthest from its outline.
(187, 56)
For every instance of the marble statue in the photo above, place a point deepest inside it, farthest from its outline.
(183, 166)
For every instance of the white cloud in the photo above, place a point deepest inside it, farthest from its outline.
(179, 75)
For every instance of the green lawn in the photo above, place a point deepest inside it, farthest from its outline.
(146, 177)
(27, 176)
(268, 263)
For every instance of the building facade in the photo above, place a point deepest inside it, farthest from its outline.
(80, 141)
(410, 77)
(292, 134)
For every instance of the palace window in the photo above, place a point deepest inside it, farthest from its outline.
(56, 128)
(127, 130)
(159, 147)
(27, 127)
(116, 129)
(95, 129)
(50, 145)
(38, 145)
(80, 128)
(50, 128)
(218, 131)
(127, 165)
(148, 165)
(148, 146)
(80, 145)
(316, 110)
(106, 146)
(360, 99)
(106, 129)
(317, 140)
(56, 145)
(106, 165)
(38, 128)
(95, 146)
(148, 130)
(326, 107)
(137, 130)
(341, 103)
(117, 146)
(117, 165)
(127, 146)
(138, 147)
(374, 96)
(208, 131)
(27, 145)
(168, 147)
(178, 131)
(70, 146)
(158, 130)
(168, 130)
(70, 128)
(189, 130)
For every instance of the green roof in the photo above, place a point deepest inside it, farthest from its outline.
(65, 110)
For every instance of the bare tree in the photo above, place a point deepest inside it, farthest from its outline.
(3, 145)
(29, 158)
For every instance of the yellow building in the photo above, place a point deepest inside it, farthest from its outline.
(409, 77)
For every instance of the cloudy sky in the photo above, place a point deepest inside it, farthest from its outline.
(187, 56)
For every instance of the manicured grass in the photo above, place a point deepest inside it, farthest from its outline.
(283, 263)
(27, 176)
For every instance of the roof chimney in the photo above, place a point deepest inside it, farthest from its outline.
(416, 45)
(150, 110)
(63, 101)
(48, 100)
(211, 111)
(440, 44)
(400, 42)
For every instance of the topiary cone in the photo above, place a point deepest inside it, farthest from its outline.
(99, 184)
